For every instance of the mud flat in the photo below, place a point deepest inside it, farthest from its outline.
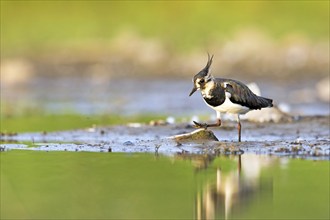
(305, 137)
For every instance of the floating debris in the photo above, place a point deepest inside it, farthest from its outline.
(128, 143)
(134, 125)
(273, 114)
(323, 89)
(157, 146)
(157, 122)
(170, 120)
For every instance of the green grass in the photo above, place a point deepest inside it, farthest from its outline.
(44, 122)
(183, 25)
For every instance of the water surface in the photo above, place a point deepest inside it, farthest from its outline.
(136, 96)
(86, 185)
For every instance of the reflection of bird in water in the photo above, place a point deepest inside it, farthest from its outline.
(226, 96)
(199, 161)
(232, 191)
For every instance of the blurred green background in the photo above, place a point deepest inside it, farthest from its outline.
(53, 49)
(27, 26)
(163, 38)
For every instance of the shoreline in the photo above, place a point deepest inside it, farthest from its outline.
(306, 137)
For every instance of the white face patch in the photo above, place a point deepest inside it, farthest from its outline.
(206, 92)
(197, 84)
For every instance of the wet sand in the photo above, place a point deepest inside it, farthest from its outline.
(305, 137)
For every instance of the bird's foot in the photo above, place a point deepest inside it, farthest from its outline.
(200, 125)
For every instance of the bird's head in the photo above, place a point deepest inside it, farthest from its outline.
(204, 76)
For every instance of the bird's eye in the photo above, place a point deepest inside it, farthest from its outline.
(201, 81)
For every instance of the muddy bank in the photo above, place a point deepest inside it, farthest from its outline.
(304, 137)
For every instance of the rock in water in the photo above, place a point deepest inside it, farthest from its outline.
(197, 135)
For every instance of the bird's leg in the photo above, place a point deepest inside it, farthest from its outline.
(239, 128)
(205, 125)
(239, 131)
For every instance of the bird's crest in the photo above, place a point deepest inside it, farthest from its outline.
(205, 72)
(209, 62)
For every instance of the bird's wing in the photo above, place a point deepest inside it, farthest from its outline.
(242, 95)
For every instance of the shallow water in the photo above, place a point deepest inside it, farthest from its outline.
(307, 137)
(136, 96)
(70, 185)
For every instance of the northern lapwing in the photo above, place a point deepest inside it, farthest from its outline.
(226, 96)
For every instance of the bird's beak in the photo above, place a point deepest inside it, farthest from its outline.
(193, 90)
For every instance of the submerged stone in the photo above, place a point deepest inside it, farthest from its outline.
(197, 135)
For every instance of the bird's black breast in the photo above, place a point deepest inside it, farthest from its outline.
(216, 96)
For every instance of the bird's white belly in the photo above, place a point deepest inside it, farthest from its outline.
(229, 107)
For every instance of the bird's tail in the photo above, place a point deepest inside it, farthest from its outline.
(265, 102)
